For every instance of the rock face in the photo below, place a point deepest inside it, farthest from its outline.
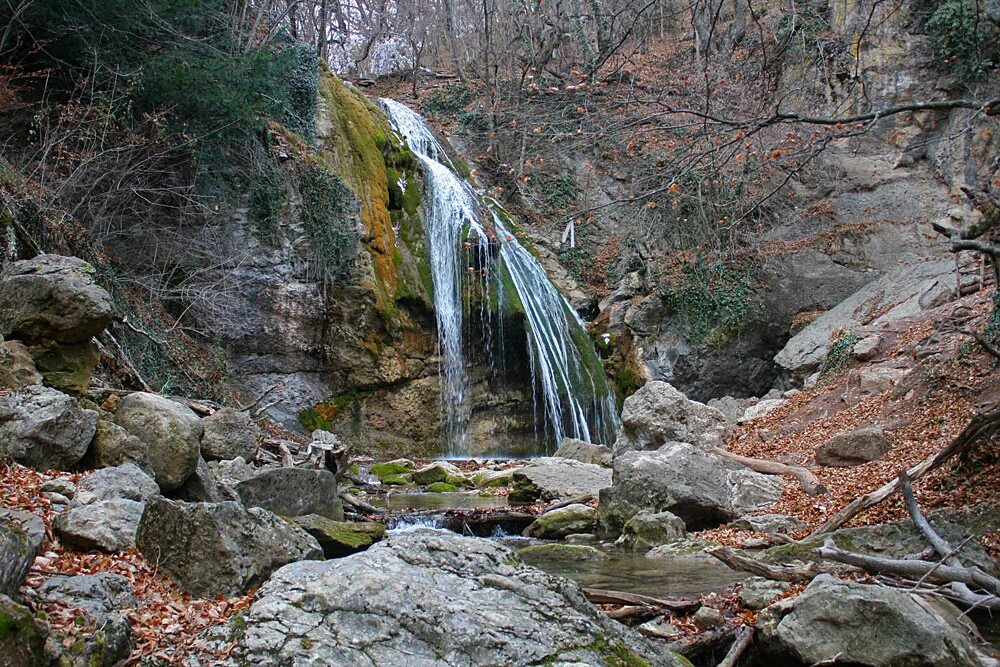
(851, 623)
(551, 478)
(854, 448)
(571, 448)
(172, 434)
(432, 598)
(16, 367)
(53, 298)
(229, 434)
(20, 542)
(100, 598)
(658, 413)
(558, 523)
(214, 549)
(44, 428)
(293, 492)
(702, 489)
(108, 525)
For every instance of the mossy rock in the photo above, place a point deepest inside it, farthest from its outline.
(442, 487)
(561, 522)
(22, 637)
(439, 471)
(341, 538)
(563, 552)
(397, 480)
(487, 479)
(391, 469)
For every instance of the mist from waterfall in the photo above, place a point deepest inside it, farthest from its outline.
(472, 249)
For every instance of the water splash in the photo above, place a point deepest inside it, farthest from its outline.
(473, 250)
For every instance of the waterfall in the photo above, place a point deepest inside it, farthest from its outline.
(473, 250)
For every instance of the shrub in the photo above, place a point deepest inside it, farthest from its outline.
(957, 33)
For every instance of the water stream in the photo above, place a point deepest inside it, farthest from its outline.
(477, 261)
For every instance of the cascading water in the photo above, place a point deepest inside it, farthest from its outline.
(568, 382)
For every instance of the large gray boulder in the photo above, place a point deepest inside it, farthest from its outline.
(587, 452)
(293, 492)
(171, 431)
(21, 538)
(55, 298)
(16, 367)
(432, 598)
(836, 621)
(108, 525)
(124, 481)
(853, 448)
(548, 479)
(702, 489)
(229, 434)
(224, 548)
(658, 414)
(99, 600)
(44, 428)
(112, 446)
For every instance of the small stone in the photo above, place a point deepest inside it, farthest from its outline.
(758, 592)
(707, 617)
(854, 448)
(660, 628)
(581, 538)
(61, 486)
(866, 348)
(56, 498)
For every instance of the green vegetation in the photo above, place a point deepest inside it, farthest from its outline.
(448, 102)
(714, 300)
(390, 469)
(442, 487)
(328, 208)
(958, 34)
(840, 354)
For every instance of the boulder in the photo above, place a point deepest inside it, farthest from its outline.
(432, 598)
(866, 348)
(66, 366)
(16, 367)
(751, 491)
(860, 624)
(21, 538)
(558, 523)
(22, 636)
(224, 548)
(875, 380)
(230, 434)
(439, 471)
(851, 449)
(171, 431)
(657, 414)
(227, 474)
(485, 479)
(112, 446)
(108, 525)
(648, 529)
(51, 297)
(757, 592)
(769, 524)
(293, 492)
(586, 452)
(124, 481)
(99, 599)
(550, 479)
(702, 489)
(545, 553)
(201, 487)
(44, 428)
(341, 538)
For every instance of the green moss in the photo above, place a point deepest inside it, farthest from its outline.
(396, 480)
(382, 470)
(561, 552)
(322, 415)
(442, 487)
(840, 354)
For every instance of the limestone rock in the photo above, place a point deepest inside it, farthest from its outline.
(44, 428)
(16, 367)
(549, 479)
(432, 598)
(293, 492)
(848, 622)
(227, 474)
(571, 448)
(876, 380)
(124, 481)
(341, 538)
(657, 413)
(53, 298)
(558, 523)
(854, 448)
(230, 434)
(108, 525)
(20, 542)
(751, 491)
(758, 592)
(171, 431)
(686, 551)
(224, 548)
(22, 641)
(702, 489)
(649, 529)
(100, 598)
(112, 446)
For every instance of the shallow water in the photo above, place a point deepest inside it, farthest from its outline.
(634, 573)
(439, 501)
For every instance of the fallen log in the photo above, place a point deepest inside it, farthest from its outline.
(744, 637)
(602, 596)
(803, 476)
(631, 612)
(792, 573)
(357, 503)
(982, 426)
